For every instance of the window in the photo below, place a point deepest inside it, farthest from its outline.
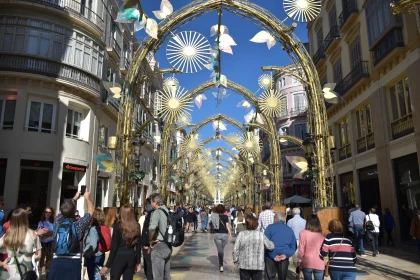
(400, 99)
(283, 105)
(40, 117)
(355, 53)
(344, 132)
(7, 114)
(300, 130)
(364, 121)
(103, 136)
(74, 119)
(8, 38)
(299, 101)
(319, 38)
(338, 73)
(332, 17)
(379, 18)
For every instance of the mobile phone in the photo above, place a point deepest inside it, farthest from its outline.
(82, 189)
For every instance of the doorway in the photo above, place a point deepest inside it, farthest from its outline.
(370, 194)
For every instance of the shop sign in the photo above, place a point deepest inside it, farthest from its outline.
(73, 167)
(36, 163)
(368, 173)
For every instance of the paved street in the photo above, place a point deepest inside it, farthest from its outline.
(197, 259)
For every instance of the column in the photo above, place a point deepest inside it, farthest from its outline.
(336, 134)
(382, 131)
(353, 144)
(414, 84)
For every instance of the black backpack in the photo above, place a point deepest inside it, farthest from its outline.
(175, 221)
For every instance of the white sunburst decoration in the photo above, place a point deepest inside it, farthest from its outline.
(175, 103)
(265, 81)
(188, 51)
(270, 103)
(302, 10)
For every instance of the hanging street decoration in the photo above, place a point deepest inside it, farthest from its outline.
(165, 10)
(133, 15)
(265, 81)
(175, 103)
(302, 10)
(185, 119)
(330, 95)
(299, 163)
(253, 117)
(220, 95)
(219, 125)
(171, 83)
(250, 145)
(188, 51)
(264, 37)
(191, 144)
(270, 103)
(214, 28)
(198, 100)
(244, 104)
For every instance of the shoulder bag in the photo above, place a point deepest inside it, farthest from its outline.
(327, 266)
(369, 224)
(29, 275)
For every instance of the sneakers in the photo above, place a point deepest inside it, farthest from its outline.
(374, 255)
(363, 255)
(221, 269)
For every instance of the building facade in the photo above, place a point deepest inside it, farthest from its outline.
(373, 57)
(55, 113)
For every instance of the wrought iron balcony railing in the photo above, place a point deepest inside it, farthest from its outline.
(296, 111)
(366, 143)
(344, 152)
(20, 63)
(334, 34)
(402, 127)
(359, 72)
(349, 9)
(320, 54)
(74, 8)
(124, 63)
(393, 40)
(114, 45)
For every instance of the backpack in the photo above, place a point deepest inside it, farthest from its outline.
(104, 239)
(369, 225)
(66, 242)
(175, 221)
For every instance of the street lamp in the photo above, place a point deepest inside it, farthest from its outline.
(244, 189)
(136, 151)
(309, 146)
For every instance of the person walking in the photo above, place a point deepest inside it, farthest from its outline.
(189, 219)
(147, 257)
(93, 256)
(415, 230)
(160, 250)
(124, 258)
(239, 223)
(46, 239)
(222, 232)
(389, 225)
(357, 219)
(248, 252)
(20, 243)
(266, 217)
(203, 219)
(340, 252)
(297, 224)
(283, 237)
(310, 240)
(372, 217)
(66, 263)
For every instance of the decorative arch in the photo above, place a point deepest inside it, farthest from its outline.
(317, 119)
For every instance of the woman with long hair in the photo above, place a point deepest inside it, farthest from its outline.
(310, 240)
(47, 223)
(124, 258)
(340, 252)
(94, 257)
(239, 222)
(220, 224)
(189, 219)
(21, 243)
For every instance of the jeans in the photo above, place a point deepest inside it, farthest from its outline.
(343, 275)
(91, 263)
(389, 239)
(375, 242)
(307, 274)
(220, 239)
(147, 263)
(358, 234)
(161, 261)
(272, 267)
(204, 225)
(245, 274)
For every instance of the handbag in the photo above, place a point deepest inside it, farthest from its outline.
(327, 266)
(28, 275)
(369, 225)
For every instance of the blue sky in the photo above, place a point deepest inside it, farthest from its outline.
(243, 67)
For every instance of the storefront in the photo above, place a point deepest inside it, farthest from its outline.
(407, 183)
(101, 188)
(347, 190)
(71, 178)
(369, 189)
(3, 167)
(34, 182)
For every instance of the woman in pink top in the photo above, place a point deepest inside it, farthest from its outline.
(310, 241)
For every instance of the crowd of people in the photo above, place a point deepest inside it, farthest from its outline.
(66, 241)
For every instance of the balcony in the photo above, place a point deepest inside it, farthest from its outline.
(344, 152)
(113, 48)
(319, 55)
(402, 127)
(332, 37)
(113, 102)
(26, 64)
(359, 72)
(365, 143)
(148, 137)
(75, 9)
(283, 115)
(348, 15)
(297, 111)
(124, 65)
(390, 42)
(156, 147)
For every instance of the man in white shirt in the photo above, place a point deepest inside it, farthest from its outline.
(297, 224)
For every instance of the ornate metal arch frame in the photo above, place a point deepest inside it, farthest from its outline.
(317, 119)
